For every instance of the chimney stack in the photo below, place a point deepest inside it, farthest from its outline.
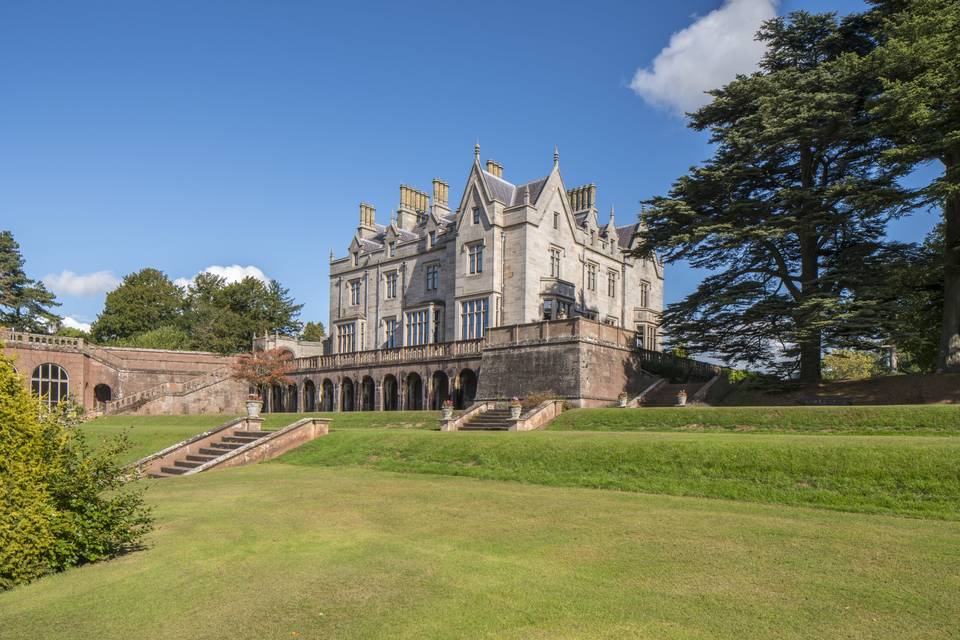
(441, 193)
(583, 198)
(494, 168)
(367, 228)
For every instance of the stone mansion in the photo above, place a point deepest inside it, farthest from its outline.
(509, 254)
(519, 291)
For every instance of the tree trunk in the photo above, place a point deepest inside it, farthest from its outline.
(948, 360)
(810, 345)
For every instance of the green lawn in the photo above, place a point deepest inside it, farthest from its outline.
(281, 551)
(913, 476)
(875, 420)
(149, 434)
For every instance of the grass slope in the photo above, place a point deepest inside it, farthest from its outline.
(890, 474)
(149, 434)
(279, 551)
(905, 419)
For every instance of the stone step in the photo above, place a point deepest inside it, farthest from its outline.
(485, 427)
(239, 439)
(252, 434)
(186, 464)
(201, 458)
(212, 453)
(173, 471)
(226, 446)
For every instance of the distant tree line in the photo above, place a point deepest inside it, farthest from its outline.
(790, 214)
(148, 310)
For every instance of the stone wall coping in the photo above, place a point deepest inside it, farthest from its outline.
(539, 416)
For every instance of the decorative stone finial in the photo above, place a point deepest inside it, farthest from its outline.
(331, 255)
(556, 155)
(476, 151)
(611, 214)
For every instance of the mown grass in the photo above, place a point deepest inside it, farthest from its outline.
(872, 420)
(900, 475)
(280, 551)
(149, 434)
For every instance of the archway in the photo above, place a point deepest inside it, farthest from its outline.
(276, 399)
(102, 393)
(346, 395)
(309, 396)
(440, 389)
(291, 398)
(391, 395)
(326, 397)
(414, 396)
(50, 382)
(368, 392)
(466, 389)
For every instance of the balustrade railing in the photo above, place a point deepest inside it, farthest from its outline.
(22, 337)
(418, 353)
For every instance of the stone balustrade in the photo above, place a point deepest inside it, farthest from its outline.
(401, 355)
(22, 337)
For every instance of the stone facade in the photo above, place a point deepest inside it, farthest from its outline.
(508, 255)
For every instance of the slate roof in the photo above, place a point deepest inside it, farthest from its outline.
(625, 234)
(499, 188)
(533, 188)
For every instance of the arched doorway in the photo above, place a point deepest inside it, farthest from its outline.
(309, 396)
(391, 395)
(346, 395)
(276, 399)
(466, 389)
(50, 382)
(326, 397)
(102, 393)
(414, 396)
(439, 389)
(291, 398)
(368, 392)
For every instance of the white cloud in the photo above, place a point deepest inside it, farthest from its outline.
(232, 273)
(86, 285)
(75, 324)
(706, 55)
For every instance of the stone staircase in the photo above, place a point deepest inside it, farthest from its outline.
(490, 420)
(666, 395)
(213, 451)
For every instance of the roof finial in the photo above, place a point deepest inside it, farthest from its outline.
(556, 155)
(611, 214)
(476, 151)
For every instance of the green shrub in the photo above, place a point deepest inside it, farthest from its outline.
(61, 502)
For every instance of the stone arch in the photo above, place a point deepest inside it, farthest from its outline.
(439, 389)
(368, 394)
(292, 394)
(309, 396)
(276, 399)
(51, 382)
(391, 393)
(347, 394)
(466, 388)
(414, 392)
(326, 395)
(102, 393)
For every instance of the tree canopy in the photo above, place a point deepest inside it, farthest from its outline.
(314, 332)
(144, 301)
(25, 304)
(790, 207)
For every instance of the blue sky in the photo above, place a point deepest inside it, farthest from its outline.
(185, 135)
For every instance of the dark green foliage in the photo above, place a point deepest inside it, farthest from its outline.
(62, 503)
(789, 209)
(144, 301)
(24, 303)
(166, 337)
(225, 317)
(919, 109)
(314, 332)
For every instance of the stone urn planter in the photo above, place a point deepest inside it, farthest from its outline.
(515, 409)
(446, 410)
(622, 400)
(253, 407)
(682, 398)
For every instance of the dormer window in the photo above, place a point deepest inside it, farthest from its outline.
(392, 249)
(356, 258)
(556, 220)
(476, 215)
(433, 239)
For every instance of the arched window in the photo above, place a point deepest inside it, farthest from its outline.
(51, 383)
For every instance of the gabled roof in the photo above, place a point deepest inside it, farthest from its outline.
(625, 234)
(532, 188)
(498, 188)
